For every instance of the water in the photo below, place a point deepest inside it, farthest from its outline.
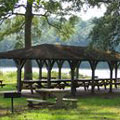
(101, 73)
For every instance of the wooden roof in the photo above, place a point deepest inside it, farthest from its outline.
(60, 52)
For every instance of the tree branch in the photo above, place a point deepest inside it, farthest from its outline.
(49, 23)
(38, 6)
(6, 17)
(53, 25)
(106, 1)
(18, 14)
(9, 15)
(18, 6)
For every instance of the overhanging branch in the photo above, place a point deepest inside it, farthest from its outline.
(4, 18)
(18, 14)
(18, 6)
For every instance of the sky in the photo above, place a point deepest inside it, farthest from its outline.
(91, 12)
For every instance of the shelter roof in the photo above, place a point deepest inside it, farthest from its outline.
(60, 52)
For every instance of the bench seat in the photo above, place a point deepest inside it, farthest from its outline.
(70, 101)
(34, 102)
(116, 83)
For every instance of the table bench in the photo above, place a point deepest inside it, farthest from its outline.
(30, 84)
(58, 93)
(71, 102)
(35, 102)
(86, 83)
(99, 82)
(116, 83)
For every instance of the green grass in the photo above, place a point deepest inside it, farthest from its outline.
(8, 87)
(89, 107)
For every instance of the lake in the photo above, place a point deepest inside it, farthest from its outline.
(101, 73)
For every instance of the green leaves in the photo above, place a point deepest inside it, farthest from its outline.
(56, 14)
(66, 30)
(106, 32)
(11, 26)
(51, 5)
(6, 6)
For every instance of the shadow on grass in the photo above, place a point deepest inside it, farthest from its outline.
(8, 87)
(81, 112)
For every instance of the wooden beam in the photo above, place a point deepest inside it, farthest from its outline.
(49, 64)
(116, 69)
(77, 69)
(40, 65)
(93, 65)
(111, 66)
(73, 65)
(19, 63)
(59, 63)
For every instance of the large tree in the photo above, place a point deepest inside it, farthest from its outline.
(51, 10)
(106, 32)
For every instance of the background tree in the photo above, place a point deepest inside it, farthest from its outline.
(106, 32)
(46, 9)
(32, 8)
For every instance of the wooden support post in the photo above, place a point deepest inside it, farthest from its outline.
(40, 73)
(73, 65)
(49, 77)
(77, 73)
(19, 79)
(49, 65)
(93, 76)
(116, 68)
(59, 63)
(111, 75)
(93, 65)
(19, 63)
(111, 66)
(40, 65)
(73, 88)
(59, 73)
(116, 72)
(77, 69)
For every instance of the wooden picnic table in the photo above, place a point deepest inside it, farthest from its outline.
(97, 82)
(57, 82)
(58, 93)
(30, 83)
(67, 82)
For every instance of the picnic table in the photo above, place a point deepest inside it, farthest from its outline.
(30, 83)
(55, 83)
(58, 93)
(97, 82)
(62, 83)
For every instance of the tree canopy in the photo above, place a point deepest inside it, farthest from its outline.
(54, 12)
(106, 32)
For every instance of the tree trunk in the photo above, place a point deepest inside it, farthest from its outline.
(28, 25)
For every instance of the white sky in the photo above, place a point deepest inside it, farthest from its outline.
(91, 12)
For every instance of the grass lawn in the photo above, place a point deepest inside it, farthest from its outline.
(92, 107)
(89, 108)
